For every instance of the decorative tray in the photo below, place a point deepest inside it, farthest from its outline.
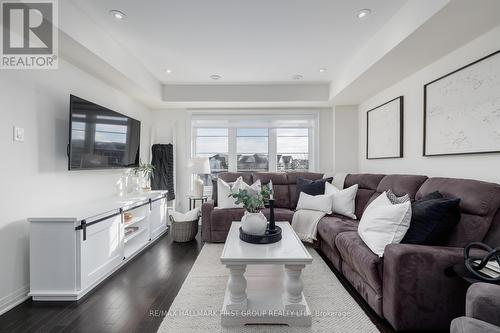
(268, 238)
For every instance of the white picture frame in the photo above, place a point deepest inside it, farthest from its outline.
(462, 110)
(384, 130)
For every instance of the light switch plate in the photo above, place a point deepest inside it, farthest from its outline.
(18, 134)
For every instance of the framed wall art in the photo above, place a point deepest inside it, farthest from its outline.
(462, 110)
(384, 130)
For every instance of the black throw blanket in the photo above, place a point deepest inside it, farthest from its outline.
(163, 161)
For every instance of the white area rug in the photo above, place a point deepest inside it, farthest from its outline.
(197, 306)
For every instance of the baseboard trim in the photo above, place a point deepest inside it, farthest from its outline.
(14, 299)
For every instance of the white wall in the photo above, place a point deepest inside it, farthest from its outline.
(483, 167)
(346, 139)
(172, 126)
(33, 174)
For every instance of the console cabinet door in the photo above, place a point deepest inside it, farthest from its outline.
(158, 218)
(102, 251)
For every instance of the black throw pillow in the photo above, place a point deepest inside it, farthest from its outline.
(432, 195)
(432, 220)
(312, 187)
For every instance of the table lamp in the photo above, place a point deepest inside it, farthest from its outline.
(198, 166)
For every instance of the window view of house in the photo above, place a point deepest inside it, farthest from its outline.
(214, 144)
(292, 148)
(252, 147)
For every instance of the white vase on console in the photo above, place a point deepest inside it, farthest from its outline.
(254, 223)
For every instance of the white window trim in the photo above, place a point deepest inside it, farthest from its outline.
(314, 134)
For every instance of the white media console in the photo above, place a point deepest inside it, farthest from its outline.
(74, 250)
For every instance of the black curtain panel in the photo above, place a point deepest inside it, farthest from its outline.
(163, 161)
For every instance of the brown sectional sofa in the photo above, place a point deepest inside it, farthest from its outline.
(408, 286)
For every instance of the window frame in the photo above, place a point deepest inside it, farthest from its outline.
(312, 116)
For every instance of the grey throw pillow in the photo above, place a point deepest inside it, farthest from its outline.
(394, 199)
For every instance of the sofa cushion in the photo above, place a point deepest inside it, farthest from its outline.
(360, 258)
(292, 184)
(479, 202)
(280, 214)
(401, 184)
(329, 227)
(221, 219)
(230, 177)
(367, 185)
(470, 325)
(280, 186)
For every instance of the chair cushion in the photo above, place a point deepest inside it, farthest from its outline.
(360, 259)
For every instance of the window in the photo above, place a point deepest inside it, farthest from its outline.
(255, 141)
(292, 146)
(252, 148)
(214, 144)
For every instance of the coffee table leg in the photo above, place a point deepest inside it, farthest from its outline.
(293, 299)
(237, 286)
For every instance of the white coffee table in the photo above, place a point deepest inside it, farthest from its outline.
(269, 290)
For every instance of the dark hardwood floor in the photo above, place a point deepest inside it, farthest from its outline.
(122, 303)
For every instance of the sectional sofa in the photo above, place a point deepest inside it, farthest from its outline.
(408, 286)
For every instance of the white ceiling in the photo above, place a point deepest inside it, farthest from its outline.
(258, 41)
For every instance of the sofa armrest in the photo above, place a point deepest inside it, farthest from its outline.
(417, 294)
(206, 220)
(483, 302)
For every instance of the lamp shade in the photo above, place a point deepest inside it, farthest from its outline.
(199, 165)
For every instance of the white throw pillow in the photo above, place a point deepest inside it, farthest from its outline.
(343, 201)
(384, 223)
(254, 188)
(185, 217)
(322, 202)
(224, 190)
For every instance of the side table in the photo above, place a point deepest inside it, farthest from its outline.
(193, 199)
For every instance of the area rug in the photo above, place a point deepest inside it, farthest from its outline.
(197, 306)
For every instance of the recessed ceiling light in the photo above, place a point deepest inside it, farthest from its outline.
(297, 77)
(215, 76)
(363, 13)
(322, 70)
(117, 14)
(168, 71)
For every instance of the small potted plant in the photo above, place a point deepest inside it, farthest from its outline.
(253, 222)
(145, 170)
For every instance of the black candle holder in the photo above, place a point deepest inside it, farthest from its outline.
(272, 222)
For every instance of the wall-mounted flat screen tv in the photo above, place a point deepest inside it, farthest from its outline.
(100, 138)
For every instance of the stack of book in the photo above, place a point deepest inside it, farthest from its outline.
(492, 269)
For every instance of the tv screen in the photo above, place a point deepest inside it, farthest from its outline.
(100, 138)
